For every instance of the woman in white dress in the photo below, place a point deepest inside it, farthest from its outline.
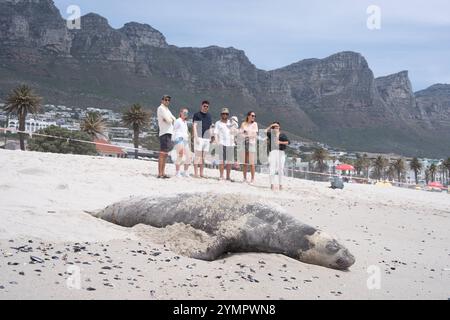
(249, 132)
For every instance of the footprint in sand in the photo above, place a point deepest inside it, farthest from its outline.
(62, 187)
(33, 172)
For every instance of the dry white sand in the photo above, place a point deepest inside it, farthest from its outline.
(405, 234)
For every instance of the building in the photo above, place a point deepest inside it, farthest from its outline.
(71, 127)
(31, 125)
(119, 132)
(106, 149)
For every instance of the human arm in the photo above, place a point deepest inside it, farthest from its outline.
(283, 140)
(167, 116)
(215, 135)
(195, 126)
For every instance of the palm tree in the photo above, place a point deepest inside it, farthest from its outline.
(93, 124)
(447, 166)
(416, 166)
(399, 167)
(427, 175)
(319, 157)
(358, 164)
(362, 163)
(22, 101)
(442, 171)
(346, 160)
(136, 118)
(379, 164)
(433, 169)
(367, 164)
(391, 172)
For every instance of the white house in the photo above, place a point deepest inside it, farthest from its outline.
(31, 125)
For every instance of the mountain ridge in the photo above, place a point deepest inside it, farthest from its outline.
(336, 100)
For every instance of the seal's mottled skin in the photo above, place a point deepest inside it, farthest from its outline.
(237, 224)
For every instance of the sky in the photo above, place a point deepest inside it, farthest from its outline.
(413, 35)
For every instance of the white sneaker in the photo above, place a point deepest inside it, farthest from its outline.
(179, 175)
(185, 175)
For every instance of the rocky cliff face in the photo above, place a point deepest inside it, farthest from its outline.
(142, 35)
(396, 92)
(34, 25)
(338, 89)
(336, 100)
(434, 104)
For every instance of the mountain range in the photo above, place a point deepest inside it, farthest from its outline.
(335, 100)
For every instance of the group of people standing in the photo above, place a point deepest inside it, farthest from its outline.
(233, 143)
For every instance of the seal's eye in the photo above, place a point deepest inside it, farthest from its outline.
(332, 247)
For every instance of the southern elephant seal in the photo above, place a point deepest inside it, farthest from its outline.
(237, 224)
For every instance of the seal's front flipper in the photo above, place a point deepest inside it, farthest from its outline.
(213, 252)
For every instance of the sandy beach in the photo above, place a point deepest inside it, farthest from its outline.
(52, 248)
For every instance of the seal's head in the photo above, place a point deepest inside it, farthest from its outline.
(327, 252)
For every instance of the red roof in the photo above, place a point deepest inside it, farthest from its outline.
(436, 185)
(345, 167)
(105, 147)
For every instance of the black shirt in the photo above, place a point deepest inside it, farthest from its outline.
(282, 138)
(205, 121)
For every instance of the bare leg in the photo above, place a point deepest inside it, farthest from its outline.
(245, 169)
(252, 165)
(228, 171)
(188, 161)
(202, 165)
(197, 162)
(162, 164)
(221, 170)
(180, 156)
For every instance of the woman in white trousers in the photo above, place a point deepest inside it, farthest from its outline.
(277, 143)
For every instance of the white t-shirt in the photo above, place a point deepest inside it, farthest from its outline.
(223, 132)
(165, 120)
(181, 130)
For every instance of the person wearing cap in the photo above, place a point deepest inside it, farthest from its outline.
(224, 139)
(166, 121)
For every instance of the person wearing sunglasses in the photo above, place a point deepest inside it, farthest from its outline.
(202, 123)
(182, 144)
(249, 132)
(277, 143)
(165, 124)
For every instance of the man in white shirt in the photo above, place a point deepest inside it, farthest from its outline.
(165, 123)
(224, 138)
